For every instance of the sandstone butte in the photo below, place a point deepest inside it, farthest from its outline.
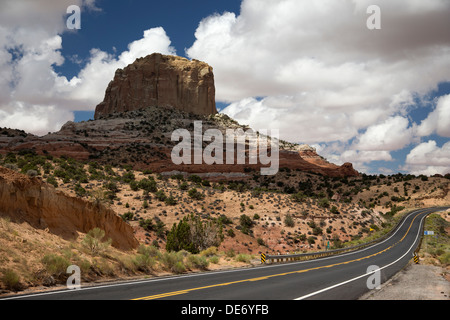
(161, 80)
(144, 103)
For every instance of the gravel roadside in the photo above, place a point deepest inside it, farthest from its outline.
(414, 282)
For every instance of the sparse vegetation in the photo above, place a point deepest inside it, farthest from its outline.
(94, 241)
(301, 207)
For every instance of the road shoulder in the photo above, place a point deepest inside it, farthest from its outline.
(414, 282)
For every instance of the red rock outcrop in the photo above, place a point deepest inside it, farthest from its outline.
(29, 199)
(161, 80)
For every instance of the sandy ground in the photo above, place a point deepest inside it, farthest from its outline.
(415, 282)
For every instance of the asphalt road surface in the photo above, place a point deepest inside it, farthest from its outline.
(343, 277)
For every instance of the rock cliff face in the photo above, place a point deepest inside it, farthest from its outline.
(29, 199)
(160, 80)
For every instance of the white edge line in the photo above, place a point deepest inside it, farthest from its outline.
(366, 274)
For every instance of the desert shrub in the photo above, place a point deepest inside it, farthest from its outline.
(179, 237)
(160, 195)
(178, 177)
(394, 210)
(230, 253)
(334, 210)
(11, 280)
(112, 186)
(32, 173)
(324, 203)
(127, 216)
(206, 183)
(179, 267)
(317, 231)
(445, 258)
(289, 221)
(195, 178)
(260, 241)
(184, 186)
(134, 185)
(52, 180)
(337, 243)
(150, 251)
(194, 235)
(298, 197)
(241, 257)
(195, 194)
(128, 176)
(148, 185)
(11, 166)
(147, 224)
(160, 228)
(211, 251)
(79, 190)
(93, 241)
(246, 223)
(145, 259)
(55, 265)
(198, 261)
(223, 219)
(214, 259)
(173, 262)
(170, 201)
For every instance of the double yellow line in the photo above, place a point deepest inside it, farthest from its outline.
(175, 293)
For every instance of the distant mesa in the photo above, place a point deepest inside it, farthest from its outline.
(163, 81)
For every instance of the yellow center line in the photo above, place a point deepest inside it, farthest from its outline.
(174, 293)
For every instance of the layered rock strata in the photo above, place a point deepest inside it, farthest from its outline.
(161, 80)
(26, 199)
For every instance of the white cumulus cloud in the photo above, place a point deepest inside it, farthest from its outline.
(428, 158)
(315, 71)
(33, 97)
(438, 121)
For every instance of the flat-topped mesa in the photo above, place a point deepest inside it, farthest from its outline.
(161, 80)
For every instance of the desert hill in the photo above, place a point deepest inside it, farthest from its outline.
(293, 211)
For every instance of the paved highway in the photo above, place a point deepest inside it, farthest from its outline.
(343, 277)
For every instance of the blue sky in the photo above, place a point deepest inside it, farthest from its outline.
(377, 98)
(110, 30)
(120, 22)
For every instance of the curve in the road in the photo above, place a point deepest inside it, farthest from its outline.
(335, 277)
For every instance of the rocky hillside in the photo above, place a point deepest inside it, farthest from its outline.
(142, 138)
(28, 199)
(49, 206)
